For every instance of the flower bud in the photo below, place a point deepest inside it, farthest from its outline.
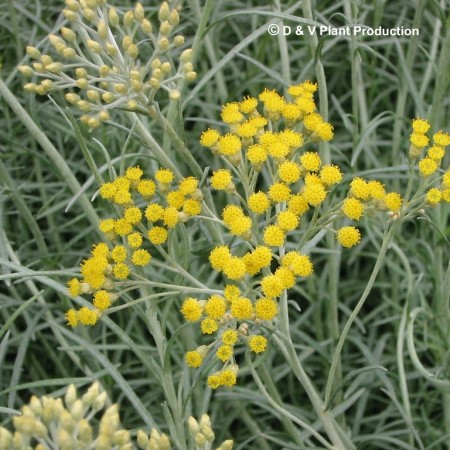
(121, 88)
(174, 94)
(33, 52)
(191, 76)
(200, 440)
(68, 34)
(26, 71)
(89, 15)
(174, 18)
(82, 83)
(38, 67)
(84, 431)
(77, 410)
(94, 46)
(46, 59)
(178, 40)
(138, 13)
(73, 5)
(102, 30)
(30, 87)
(133, 51)
(55, 67)
(226, 445)
(146, 26)
(165, 28)
(71, 16)
(110, 49)
(108, 97)
(193, 426)
(69, 53)
(164, 443)
(128, 19)
(92, 95)
(36, 406)
(164, 12)
(113, 17)
(99, 402)
(142, 439)
(104, 70)
(55, 40)
(103, 116)
(186, 55)
(71, 98)
(163, 43)
(166, 67)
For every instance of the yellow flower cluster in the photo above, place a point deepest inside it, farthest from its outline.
(265, 135)
(102, 72)
(430, 163)
(162, 202)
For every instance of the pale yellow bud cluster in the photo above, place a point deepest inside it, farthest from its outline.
(202, 434)
(53, 423)
(102, 72)
(155, 441)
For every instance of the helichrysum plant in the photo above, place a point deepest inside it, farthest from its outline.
(268, 202)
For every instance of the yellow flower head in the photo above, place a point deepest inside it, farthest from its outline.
(446, 179)
(191, 309)
(246, 130)
(231, 292)
(188, 185)
(87, 316)
(248, 105)
(348, 236)
(242, 308)
(287, 220)
(108, 190)
(298, 205)
(141, 257)
(193, 359)
(257, 344)
(121, 271)
(353, 208)
(229, 145)
(231, 213)
(273, 102)
(427, 167)
(209, 326)
(289, 172)
(221, 180)
(134, 174)
(229, 337)
(209, 138)
(234, 268)
(102, 300)
(133, 215)
(279, 192)
(171, 217)
(314, 194)
(258, 202)
(257, 154)
(311, 161)
(300, 264)
(286, 277)
(122, 227)
(227, 378)
(313, 121)
(224, 352)
(164, 176)
(175, 199)
(273, 236)
(441, 138)
(146, 188)
(231, 114)
(436, 152)
(433, 196)
(154, 212)
(271, 286)
(74, 287)
(420, 126)
(134, 240)
(266, 309)
(219, 257)
(293, 139)
(325, 131)
(192, 207)
(418, 140)
(119, 253)
(393, 201)
(360, 188)
(215, 307)
(72, 317)
(330, 175)
(376, 190)
(157, 235)
(291, 112)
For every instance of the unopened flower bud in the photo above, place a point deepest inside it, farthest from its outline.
(73, 5)
(108, 97)
(186, 55)
(77, 410)
(104, 70)
(92, 95)
(68, 34)
(113, 17)
(69, 53)
(174, 18)
(103, 116)
(99, 402)
(166, 67)
(226, 445)
(193, 426)
(133, 51)
(128, 19)
(137, 85)
(142, 439)
(191, 76)
(84, 431)
(30, 87)
(33, 52)
(89, 15)
(126, 42)
(178, 40)
(46, 59)
(165, 28)
(200, 440)
(138, 13)
(102, 30)
(91, 4)
(121, 88)
(26, 71)
(164, 12)
(154, 83)
(71, 16)
(164, 443)
(93, 122)
(132, 105)
(38, 67)
(82, 83)
(110, 49)
(48, 84)
(72, 98)
(146, 26)
(94, 46)
(163, 43)
(55, 40)
(174, 94)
